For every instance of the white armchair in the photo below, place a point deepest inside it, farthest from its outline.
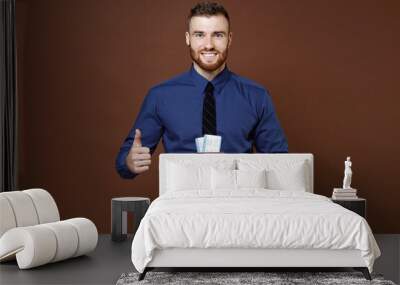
(31, 230)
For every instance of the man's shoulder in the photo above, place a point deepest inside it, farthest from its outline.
(176, 81)
(248, 83)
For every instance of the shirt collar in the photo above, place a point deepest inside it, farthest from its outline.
(219, 81)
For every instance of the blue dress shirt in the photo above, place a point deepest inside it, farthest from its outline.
(173, 110)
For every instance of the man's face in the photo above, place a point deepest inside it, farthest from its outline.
(209, 40)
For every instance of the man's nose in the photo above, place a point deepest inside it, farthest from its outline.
(208, 44)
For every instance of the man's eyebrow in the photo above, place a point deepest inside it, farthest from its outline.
(216, 32)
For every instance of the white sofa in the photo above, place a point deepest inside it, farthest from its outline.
(31, 231)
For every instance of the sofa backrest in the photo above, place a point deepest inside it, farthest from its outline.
(26, 208)
(236, 159)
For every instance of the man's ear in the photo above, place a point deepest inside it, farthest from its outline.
(230, 39)
(187, 36)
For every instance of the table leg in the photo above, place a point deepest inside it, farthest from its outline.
(118, 222)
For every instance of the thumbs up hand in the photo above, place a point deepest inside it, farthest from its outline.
(137, 141)
(138, 159)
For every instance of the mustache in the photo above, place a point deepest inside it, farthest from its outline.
(203, 50)
(209, 50)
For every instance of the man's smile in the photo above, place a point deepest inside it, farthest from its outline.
(209, 55)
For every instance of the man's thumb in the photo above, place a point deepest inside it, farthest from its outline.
(137, 142)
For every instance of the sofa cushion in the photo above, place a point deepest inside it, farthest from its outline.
(40, 244)
(46, 207)
(23, 208)
(7, 220)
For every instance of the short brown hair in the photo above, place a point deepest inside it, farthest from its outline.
(207, 9)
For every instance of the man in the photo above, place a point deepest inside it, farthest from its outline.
(208, 99)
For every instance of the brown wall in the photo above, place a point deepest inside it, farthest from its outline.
(84, 68)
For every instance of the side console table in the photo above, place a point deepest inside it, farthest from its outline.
(119, 208)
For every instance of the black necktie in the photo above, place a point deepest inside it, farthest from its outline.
(209, 114)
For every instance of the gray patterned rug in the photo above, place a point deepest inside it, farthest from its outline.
(269, 278)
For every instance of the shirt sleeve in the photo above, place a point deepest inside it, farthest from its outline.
(151, 128)
(269, 136)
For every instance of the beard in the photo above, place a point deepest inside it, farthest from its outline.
(209, 66)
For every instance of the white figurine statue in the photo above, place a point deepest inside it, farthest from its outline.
(347, 174)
